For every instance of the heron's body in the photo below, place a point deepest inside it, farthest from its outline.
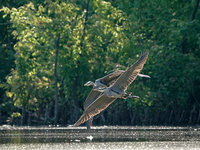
(104, 93)
(100, 85)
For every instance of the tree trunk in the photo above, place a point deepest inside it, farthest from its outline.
(23, 116)
(46, 116)
(141, 118)
(76, 108)
(29, 119)
(191, 115)
(198, 117)
(132, 116)
(102, 117)
(181, 118)
(56, 88)
(74, 111)
(170, 118)
(146, 116)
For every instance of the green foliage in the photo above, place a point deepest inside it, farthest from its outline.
(15, 115)
(36, 30)
(112, 37)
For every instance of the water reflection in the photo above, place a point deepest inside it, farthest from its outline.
(112, 137)
(167, 145)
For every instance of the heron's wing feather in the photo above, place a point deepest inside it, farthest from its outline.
(111, 78)
(91, 98)
(95, 108)
(130, 74)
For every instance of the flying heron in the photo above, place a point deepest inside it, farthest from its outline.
(99, 85)
(101, 97)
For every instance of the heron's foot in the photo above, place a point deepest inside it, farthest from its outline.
(131, 96)
(143, 75)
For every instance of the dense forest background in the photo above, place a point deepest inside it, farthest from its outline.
(49, 49)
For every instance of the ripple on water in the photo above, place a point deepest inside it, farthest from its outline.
(106, 137)
(156, 145)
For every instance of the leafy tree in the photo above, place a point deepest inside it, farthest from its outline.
(38, 28)
(96, 38)
(6, 57)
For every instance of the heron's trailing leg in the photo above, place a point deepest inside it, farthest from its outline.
(131, 96)
(89, 124)
(128, 95)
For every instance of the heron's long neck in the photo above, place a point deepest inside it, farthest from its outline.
(93, 84)
(101, 89)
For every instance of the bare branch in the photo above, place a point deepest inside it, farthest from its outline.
(6, 23)
(195, 10)
(55, 77)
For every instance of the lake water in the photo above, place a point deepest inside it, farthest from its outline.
(100, 138)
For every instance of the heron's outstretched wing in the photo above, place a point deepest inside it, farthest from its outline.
(91, 98)
(95, 108)
(130, 74)
(109, 79)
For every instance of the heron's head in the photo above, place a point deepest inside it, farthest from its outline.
(89, 83)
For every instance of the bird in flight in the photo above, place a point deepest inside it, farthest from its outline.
(107, 89)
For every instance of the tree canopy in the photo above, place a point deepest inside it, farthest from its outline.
(93, 39)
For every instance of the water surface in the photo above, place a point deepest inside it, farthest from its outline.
(105, 137)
